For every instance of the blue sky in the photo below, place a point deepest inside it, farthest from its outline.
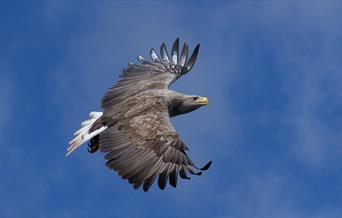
(271, 70)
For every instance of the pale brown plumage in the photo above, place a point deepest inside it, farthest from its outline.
(140, 142)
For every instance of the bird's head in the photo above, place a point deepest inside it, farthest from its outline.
(182, 104)
(193, 102)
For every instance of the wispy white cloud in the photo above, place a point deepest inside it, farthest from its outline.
(261, 195)
(311, 60)
(314, 112)
(305, 44)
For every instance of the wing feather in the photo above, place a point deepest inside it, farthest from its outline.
(163, 177)
(184, 54)
(175, 51)
(154, 55)
(155, 172)
(192, 58)
(173, 176)
(163, 52)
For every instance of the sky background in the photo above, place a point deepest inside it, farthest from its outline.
(272, 71)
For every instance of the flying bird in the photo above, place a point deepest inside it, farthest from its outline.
(134, 129)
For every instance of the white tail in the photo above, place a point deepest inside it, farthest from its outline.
(82, 135)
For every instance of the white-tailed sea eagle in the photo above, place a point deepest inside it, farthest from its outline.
(134, 129)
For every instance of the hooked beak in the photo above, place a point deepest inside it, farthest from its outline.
(202, 100)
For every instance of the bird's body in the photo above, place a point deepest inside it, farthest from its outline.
(135, 130)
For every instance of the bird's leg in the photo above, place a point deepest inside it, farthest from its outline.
(93, 145)
(91, 148)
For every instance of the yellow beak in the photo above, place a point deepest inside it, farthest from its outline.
(202, 100)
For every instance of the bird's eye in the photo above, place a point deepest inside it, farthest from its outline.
(195, 98)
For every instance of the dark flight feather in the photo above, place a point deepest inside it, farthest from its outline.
(192, 58)
(175, 51)
(183, 174)
(154, 55)
(163, 52)
(173, 177)
(184, 54)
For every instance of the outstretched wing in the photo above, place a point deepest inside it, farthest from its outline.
(142, 145)
(158, 74)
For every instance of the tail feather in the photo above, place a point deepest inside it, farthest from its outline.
(82, 135)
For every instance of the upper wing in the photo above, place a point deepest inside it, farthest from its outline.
(141, 144)
(158, 74)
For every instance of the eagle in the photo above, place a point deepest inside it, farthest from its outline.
(134, 130)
